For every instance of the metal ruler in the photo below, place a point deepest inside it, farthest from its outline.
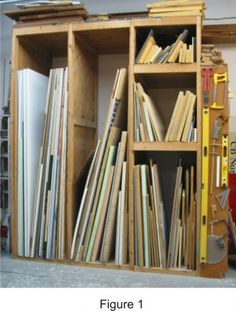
(224, 161)
(205, 185)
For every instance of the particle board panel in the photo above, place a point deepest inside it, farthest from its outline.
(166, 80)
(30, 57)
(107, 41)
(51, 44)
(85, 97)
(225, 33)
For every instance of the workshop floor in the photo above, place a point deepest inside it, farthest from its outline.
(19, 273)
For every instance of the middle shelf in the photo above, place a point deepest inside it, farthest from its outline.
(164, 146)
(165, 68)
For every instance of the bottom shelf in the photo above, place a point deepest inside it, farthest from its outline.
(167, 271)
(109, 265)
(112, 266)
(165, 211)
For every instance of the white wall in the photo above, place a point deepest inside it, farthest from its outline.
(229, 54)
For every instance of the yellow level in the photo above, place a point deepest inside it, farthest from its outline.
(224, 161)
(205, 184)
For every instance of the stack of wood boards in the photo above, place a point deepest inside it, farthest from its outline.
(210, 55)
(182, 238)
(54, 13)
(148, 122)
(182, 126)
(179, 51)
(176, 8)
(32, 95)
(44, 213)
(102, 224)
(150, 222)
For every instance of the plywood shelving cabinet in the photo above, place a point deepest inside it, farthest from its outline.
(79, 46)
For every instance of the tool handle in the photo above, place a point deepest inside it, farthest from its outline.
(220, 77)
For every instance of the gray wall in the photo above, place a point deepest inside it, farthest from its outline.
(216, 10)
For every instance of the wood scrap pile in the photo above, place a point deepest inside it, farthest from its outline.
(211, 55)
(52, 12)
(176, 8)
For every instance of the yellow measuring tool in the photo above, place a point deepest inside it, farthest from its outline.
(205, 184)
(219, 78)
(224, 161)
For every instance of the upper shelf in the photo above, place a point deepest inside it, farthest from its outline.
(165, 68)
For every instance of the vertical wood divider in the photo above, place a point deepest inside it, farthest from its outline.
(199, 140)
(13, 145)
(70, 136)
(132, 44)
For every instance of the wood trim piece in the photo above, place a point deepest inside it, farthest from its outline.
(165, 21)
(85, 123)
(111, 24)
(70, 137)
(44, 29)
(132, 45)
(13, 145)
(199, 140)
(167, 271)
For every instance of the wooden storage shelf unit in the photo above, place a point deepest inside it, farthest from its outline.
(79, 46)
(86, 44)
(163, 82)
(39, 49)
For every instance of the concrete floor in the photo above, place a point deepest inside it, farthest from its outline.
(19, 273)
